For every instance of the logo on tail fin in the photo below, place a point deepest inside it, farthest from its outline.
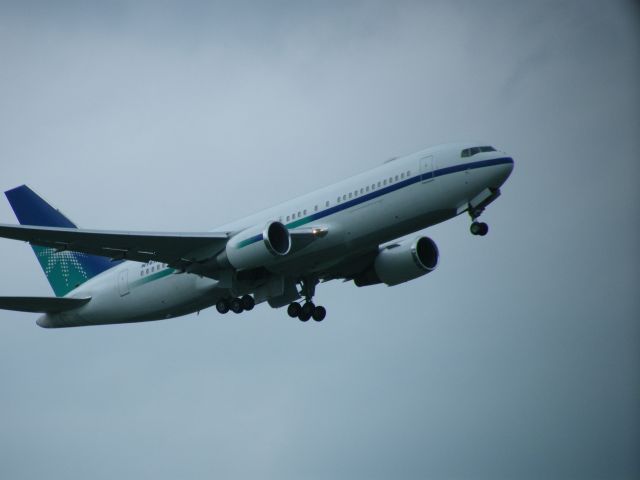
(65, 270)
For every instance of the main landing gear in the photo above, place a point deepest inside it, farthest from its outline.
(307, 310)
(236, 305)
(303, 312)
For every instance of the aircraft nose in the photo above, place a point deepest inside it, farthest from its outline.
(506, 167)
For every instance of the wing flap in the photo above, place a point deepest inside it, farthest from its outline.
(175, 249)
(41, 304)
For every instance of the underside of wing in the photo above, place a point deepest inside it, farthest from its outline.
(176, 249)
(41, 304)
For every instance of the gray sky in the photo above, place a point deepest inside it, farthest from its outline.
(518, 358)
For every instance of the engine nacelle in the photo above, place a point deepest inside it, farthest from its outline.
(257, 246)
(400, 263)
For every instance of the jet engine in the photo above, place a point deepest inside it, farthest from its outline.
(257, 246)
(401, 262)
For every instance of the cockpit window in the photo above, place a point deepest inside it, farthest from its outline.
(469, 152)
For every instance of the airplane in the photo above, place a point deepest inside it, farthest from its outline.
(346, 231)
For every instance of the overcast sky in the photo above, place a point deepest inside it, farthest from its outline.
(518, 358)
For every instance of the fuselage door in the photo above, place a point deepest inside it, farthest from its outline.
(123, 282)
(426, 168)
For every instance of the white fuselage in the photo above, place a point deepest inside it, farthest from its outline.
(397, 198)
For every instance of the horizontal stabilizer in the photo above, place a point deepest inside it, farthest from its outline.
(41, 304)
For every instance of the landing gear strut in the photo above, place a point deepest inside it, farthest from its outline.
(307, 310)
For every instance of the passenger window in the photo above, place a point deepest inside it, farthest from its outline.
(373, 187)
(408, 173)
(344, 197)
(315, 209)
(327, 204)
(384, 182)
(390, 180)
(402, 176)
(287, 218)
(366, 189)
(350, 195)
(378, 184)
(396, 178)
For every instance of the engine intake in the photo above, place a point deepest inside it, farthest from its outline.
(257, 247)
(401, 262)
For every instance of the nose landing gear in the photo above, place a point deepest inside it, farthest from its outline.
(479, 228)
(477, 206)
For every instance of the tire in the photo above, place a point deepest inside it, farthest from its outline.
(293, 310)
(303, 316)
(236, 305)
(319, 313)
(248, 302)
(308, 308)
(222, 306)
(479, 228)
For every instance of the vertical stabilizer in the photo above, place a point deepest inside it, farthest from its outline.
(65, 270)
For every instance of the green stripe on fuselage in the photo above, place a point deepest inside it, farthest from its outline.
(300, 222)
(151, 278)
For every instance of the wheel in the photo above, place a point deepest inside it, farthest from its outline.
(304, 316)
(479, 228)
(236, 305)
(307, 308)
(248, 302)
(293, 310)
(222, 306)
(319, 313)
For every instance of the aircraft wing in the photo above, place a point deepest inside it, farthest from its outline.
(41, 304)
(175, 249)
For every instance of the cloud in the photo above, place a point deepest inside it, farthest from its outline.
(518, 357)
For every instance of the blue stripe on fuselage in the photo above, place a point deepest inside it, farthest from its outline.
(391, 188)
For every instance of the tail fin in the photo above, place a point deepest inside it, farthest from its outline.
(65, 270)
